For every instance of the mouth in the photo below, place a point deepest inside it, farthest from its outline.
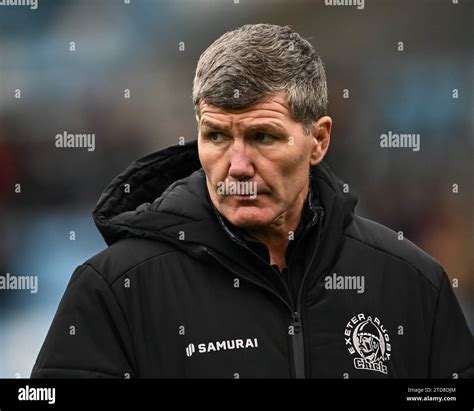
(240, 197)
(248, 197)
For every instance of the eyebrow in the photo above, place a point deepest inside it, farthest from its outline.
(255, 127)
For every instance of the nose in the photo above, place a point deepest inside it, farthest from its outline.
(241, 167)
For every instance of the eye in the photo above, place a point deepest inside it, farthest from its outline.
(216, 137)
(263, 138)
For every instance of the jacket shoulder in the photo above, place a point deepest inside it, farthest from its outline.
(126, 254)
(386, 240)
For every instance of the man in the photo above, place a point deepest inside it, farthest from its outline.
(240, 255)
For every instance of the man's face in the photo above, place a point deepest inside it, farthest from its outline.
(263, 146)
(368, 344)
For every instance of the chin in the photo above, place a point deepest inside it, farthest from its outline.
(248, 217)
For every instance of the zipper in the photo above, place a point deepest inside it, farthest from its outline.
(298, 336)
(296, 315)
(298, 346)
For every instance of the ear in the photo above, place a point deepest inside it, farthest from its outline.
(321, 136)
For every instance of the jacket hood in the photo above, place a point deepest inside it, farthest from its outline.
(163, 196)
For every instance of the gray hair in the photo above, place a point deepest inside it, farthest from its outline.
(256, 61)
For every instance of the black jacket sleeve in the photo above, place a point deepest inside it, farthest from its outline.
(452, 347)
(89, 336)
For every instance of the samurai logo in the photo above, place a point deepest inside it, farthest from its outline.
(369, 339)
(221, 345)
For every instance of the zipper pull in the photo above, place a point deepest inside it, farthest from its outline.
(296, 322)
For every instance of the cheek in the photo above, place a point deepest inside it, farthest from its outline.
(213, 164)
(294, 167)
(292, 175)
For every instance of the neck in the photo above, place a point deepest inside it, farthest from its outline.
(276, 236)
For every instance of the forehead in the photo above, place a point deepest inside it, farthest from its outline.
(271, 107)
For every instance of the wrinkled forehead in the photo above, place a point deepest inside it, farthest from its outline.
(276, 102)
(269, 109)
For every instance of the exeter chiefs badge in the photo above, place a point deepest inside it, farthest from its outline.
(367, 338)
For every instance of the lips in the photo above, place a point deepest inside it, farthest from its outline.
(248, 195)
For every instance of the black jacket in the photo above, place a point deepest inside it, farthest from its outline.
(180, 293)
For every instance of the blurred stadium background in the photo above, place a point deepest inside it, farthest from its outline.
(136, 46)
